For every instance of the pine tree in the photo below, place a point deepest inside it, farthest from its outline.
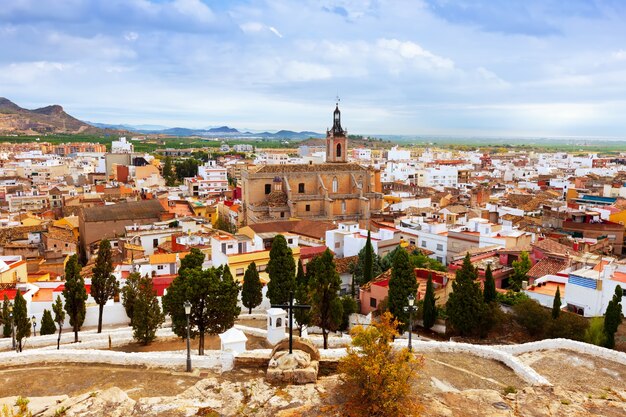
(613, 318)
(401, 284)
(194, 259)
(357, 269)
(20, 318)
(75, 295)
(6, 319)
(282, 271)
(147, 314)
(302, 315)
(324, 285)
(47, 324)
(489, 292)
(168, 174)
(556, 305)
(430, 308)
(368, 261)
(520, 269)
(465, 306)
(59, 317)
(252, 289)
(129, 294)
(213, 296)
(104, 285)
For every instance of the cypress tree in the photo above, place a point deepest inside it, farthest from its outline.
(282, 271)
(59, 317)
(302, 315)
(430, 308)
(489, 291)
(368, 260)
(252, 290)
(613, 318)
(20, 318)
(401, 284)
(104, 285)
(6, 321)
(129, 294)
(147, 314)
(75, 295)
(168, 174)
(47, 324)
(324, 284)
(556, 305)
(465, 306)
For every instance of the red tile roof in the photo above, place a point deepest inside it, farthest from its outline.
(547, 266)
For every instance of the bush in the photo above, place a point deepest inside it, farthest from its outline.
(511, 297)
(568, 326)
(47, 324)
(532, 316)
(349, 306)
(378, 379)
(595, 332)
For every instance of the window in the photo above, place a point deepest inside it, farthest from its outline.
(337, 245)
(423, 243)
(439, 259)
(282, 214)
(155, 243)
(343, 206)
(239, 272)
(335, 185)
(261, 268)
(439, 246)
(412, 241)
(268, 188)
(339, 150)
(290, 241)
(301, 188)
(307, 207)
(160, 267)
(373, 302)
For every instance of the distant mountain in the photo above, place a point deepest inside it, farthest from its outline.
(222, 131)
(50, 119)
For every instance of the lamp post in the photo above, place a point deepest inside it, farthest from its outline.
(187, 306)
(34, 321)
(409, 308)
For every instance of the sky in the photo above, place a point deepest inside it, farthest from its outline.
(423, 67)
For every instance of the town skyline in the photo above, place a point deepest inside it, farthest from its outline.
(437, 68)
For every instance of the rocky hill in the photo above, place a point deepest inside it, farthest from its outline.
(50, 119)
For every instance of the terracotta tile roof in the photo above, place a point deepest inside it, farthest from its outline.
(379, 280)
(551, 246)
(343, 265)
(144, 209)
(309, 168)
(547, 266)
(310, 228)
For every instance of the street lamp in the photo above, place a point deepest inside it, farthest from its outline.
(187, 306)
(411, 300)
(34, 321)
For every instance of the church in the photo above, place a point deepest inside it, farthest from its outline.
(336, 190)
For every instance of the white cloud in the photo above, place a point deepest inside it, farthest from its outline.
(275, 31)
(131, 36)
(305, 71)
(256, 27)
(411, 51)
(619, 55)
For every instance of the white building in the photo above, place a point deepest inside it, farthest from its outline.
(432, 236)
(122, 146)
(348, 240)
(395, 154)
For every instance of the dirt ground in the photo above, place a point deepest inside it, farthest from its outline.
(176, 343)
(576, 371)
(259, 324)
(35, 381)
(451, 371)
(620, 337)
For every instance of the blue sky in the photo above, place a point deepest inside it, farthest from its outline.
(466, 67)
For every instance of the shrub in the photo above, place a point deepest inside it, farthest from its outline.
(568, 326)
(532, 316)
(377, 378)
(595, 332)
(511, 297)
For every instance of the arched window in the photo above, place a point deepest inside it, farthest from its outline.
(335, 185)
(279, 322)
(339, 150)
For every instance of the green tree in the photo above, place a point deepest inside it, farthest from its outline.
(532, 316)
(213, 296)
(595, 332)
(20, 318)
(223, 224)
(556, 304)
(282, 271)
(419, 260)
(349, 307)
(6, 317)
(324, 286)
(194, 259)
(401, 284)
(430, 307)
(357, 268)
(47, 324)
(520, 269)
(252, 289)
(147, 314)
(75, 295)
(465, 307)
(489, 291)
(59, 317)
(302, 315)
(368, 261)
(168, 174)
(186, 168)
(129, 294)
(104, 285)
(613, 318)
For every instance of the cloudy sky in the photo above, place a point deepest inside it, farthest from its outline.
(456, 67)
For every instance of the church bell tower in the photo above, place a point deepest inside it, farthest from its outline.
(336, 140)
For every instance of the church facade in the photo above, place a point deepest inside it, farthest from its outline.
(335, 190)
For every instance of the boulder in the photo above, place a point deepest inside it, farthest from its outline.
(304, 345)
